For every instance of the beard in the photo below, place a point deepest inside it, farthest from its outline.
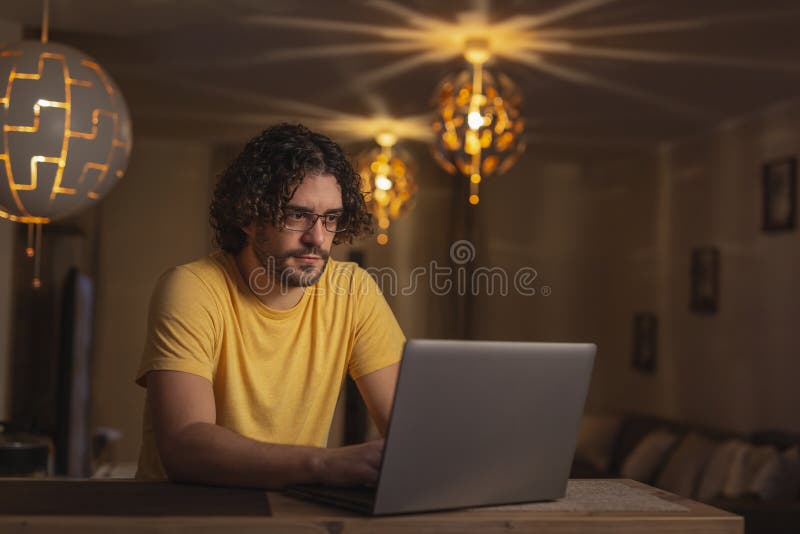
(285, 275)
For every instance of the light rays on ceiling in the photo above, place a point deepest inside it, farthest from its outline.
(422, 39)
(567, 45)
(345, 126)
(695, 24)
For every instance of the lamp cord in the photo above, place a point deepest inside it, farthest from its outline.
(45, 20)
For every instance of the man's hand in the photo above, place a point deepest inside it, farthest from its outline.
(351, 466)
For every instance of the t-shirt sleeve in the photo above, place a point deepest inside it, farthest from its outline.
(378, 338)
(181, 327)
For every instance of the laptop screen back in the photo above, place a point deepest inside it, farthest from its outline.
(482, 423)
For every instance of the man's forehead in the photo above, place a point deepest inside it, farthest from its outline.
(317, 192)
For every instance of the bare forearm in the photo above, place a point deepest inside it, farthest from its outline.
(210, 454)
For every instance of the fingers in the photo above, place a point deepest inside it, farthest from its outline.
(355, 464)
(373, 459)
(374, 452)
(367, 461)
(370, 475)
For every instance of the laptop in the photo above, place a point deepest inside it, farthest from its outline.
(475, 423)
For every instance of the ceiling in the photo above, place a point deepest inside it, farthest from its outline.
(599, 77)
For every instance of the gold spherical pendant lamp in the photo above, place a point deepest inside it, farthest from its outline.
(387, 182)
(478, 126)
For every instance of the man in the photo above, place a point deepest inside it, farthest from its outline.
(247, 349)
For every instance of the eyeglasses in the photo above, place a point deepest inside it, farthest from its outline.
(303, 221)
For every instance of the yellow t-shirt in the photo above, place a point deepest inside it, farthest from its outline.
(276, 374)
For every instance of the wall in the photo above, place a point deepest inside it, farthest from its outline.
(155, 218)
(737, 368)
(614, 239)
(642, 217)
(8, 32)
(591, 237)
(6, 248)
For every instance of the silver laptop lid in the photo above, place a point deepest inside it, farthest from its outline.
(479, 423)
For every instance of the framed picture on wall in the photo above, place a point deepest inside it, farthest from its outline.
(704, 280)
(779, 194)
(645, 342)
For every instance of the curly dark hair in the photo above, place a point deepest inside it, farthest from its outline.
(264, 176)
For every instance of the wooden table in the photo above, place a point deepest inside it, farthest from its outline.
(248, 513)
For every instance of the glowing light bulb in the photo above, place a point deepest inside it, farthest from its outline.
(382, 182)
(382, 239)
(475, 120)
(473, 199)
(386, 139)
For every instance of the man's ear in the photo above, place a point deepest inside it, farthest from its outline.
(250, 230)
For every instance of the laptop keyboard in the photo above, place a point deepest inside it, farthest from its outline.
(360, 496)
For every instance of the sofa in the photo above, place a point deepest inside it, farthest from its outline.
(756, 475)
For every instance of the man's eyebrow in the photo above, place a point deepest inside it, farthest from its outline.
(295, 207)
(309, 210)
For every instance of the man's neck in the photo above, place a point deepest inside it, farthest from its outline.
(263, 286)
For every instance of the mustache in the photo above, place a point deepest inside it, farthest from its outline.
(313, 251)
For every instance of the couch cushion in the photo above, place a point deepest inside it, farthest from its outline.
(682, 472)
(648, 456)
(596, 440)
(632, 431)
(747, 461)
(717, 469)
(779, 477)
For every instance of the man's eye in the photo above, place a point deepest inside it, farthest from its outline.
(333, 217)
(296, 215)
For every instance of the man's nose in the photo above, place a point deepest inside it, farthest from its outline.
(316, 234)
